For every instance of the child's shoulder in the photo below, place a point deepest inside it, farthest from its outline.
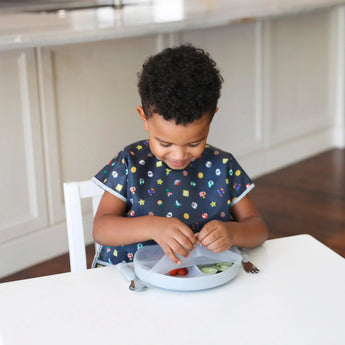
(214, 153)
(137, 146)
(131, 152)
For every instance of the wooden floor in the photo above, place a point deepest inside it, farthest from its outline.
(305, 198)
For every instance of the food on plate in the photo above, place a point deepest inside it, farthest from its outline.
(223, 266)
(179, 272)
(209, 269)
(215, 268)
(173, 272)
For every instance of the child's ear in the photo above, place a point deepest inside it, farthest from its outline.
(142, 115)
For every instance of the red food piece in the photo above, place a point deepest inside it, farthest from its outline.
(173, 272)
(182, 271)
(178, 272)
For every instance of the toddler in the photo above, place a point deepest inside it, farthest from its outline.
(174, 189)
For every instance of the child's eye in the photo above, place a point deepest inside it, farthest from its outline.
(165, 144)
(194, 144)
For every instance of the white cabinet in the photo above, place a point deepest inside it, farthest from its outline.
(23, 186)
(65, 112)
(277, 103)
(89, 111)
(300, 78)
(23, 206)
(237, 126)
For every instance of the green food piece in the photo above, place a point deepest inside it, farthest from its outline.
(228, 264)
(209, 269)
(218, 267)
(223, 266)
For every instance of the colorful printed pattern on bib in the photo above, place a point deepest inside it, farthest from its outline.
(203, 191)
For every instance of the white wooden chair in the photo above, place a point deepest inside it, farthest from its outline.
(74, 192)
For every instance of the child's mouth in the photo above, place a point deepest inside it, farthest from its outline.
(178, 164)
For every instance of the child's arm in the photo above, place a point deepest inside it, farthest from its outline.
(111, 228)
(248, 230)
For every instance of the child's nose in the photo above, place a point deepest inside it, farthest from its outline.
(179, 154)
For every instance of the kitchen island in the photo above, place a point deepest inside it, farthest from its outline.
(61, 25)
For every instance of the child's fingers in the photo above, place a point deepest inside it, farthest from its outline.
(189, 234)
(215, 236)
(170, 254)
(218, 246)
(180, 247)
(206, 235)
(173, 249)
(185, 243)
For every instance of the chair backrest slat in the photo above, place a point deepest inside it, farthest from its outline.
(74, 192)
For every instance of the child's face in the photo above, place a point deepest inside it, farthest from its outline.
(176, 145)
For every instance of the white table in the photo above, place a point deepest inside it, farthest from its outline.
(297, 298)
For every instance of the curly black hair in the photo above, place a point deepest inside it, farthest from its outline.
(180, 83)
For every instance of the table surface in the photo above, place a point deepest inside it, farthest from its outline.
(297, 298)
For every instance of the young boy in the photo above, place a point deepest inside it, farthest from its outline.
(174, 189)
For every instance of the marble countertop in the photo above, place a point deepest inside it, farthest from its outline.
(37, 29)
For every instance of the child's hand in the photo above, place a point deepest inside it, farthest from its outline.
(173, 236)
(216, 236)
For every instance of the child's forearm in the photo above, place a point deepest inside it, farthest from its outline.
(170, 233)
(248, 233)
(117, 230)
